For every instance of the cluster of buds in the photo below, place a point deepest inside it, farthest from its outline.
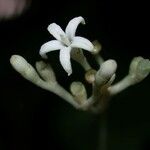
(101, 80)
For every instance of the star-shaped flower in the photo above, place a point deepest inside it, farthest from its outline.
(65, 42)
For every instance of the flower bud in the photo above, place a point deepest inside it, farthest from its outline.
(97, 47)
(139, 68)
(106, 71)
(46, 71)
(90, 76)
(79, 92)
(24, 68)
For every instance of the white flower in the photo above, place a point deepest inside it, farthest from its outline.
(65, 42)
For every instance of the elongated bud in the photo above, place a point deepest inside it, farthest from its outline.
(24, 68)
(106, 71)
(79, 92)
(46, 71)
(139, 69)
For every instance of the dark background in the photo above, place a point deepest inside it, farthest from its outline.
(31, 118)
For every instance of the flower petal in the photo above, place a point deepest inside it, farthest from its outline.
(50, 46)
(72, 26)
(80, 42)
(56, 31)
(65, 59)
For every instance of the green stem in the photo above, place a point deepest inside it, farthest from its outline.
(103, 133)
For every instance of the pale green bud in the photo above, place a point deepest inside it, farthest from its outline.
(79, 92)
(139, 69)
(46, 71)
(24, 68)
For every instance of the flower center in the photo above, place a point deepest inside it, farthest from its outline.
(65, 40)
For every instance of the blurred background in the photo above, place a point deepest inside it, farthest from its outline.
(31, 118)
